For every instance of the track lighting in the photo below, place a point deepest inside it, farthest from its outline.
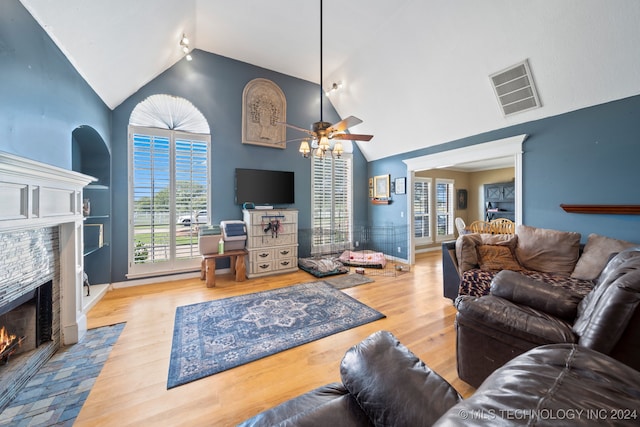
(334, 88)
(184, 46)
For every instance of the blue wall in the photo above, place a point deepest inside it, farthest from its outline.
(588, 156)
(583, 157)
(42, 97)
(214, 85)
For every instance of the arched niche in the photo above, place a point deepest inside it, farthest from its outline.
(90, 154)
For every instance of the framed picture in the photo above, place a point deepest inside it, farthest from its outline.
(381, 186)
(462, 199)
(401, 185)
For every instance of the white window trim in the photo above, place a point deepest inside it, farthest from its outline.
(450, 236)
(511, 146)
(334, 246)
(429, 238)
(174, 265)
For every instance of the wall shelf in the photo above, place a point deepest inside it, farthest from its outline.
(602, 209)
(381, 201)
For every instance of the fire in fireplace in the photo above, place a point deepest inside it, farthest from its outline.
(8, 344)
(26, 322)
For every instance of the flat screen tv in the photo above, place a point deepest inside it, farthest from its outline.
(264, 187)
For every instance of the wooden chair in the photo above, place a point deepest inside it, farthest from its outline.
(479, 227)
(502, 226)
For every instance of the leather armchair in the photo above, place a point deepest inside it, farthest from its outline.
(522, 313)
(384, 384)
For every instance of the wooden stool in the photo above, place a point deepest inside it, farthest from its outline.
(237, 266)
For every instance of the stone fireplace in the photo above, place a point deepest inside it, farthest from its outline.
(41, 266)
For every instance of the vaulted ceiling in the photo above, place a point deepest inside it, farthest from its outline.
(416, 71)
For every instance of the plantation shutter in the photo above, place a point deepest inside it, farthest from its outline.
(168, 179)
(331, 203)
(421, 210)
(444, 208)
(191, 191)
(151, 180)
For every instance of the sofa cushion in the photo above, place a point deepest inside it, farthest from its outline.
(596, 254)
(603, 315)
(466, 247)
(559, 384)
(497, 316)
(393, 386)
(330, 404)
(550, 299)
(549, 251)
(496, 258)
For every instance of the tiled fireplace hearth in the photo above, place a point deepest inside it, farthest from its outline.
(41, 265)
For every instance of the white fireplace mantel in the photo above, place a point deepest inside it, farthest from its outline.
(35, 195)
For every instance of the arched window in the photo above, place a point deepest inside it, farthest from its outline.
(169, 157)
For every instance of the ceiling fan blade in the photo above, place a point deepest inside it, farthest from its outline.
(296, 128)
(345, 124)
(352, 137)
(295, 140)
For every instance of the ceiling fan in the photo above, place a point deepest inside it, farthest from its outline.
(321, 132)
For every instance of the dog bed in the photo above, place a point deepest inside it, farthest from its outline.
(322, 267)
(363, 259)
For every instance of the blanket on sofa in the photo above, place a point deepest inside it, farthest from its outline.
(476, 282)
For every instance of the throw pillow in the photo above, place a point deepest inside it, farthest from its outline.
(496, 258)
(466, 245)
(596, 254)
(548, 251)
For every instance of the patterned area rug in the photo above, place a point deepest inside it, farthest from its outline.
(348, 280)
(214, 336)
(55, 395)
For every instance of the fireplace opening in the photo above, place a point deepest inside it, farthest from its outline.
(26, 323)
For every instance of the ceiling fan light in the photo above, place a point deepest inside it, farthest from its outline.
(324, 143)
(320, 153)
(338, 149)
(189, 57)
(185, 49)
(185, 40)
(304, 148)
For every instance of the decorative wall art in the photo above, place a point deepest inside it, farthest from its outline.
(381, 186)
(263, 106)
(401, 185)
(462, 199)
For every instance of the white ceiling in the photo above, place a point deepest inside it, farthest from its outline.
(416, 71)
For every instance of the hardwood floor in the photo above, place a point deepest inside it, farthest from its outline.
(131, 389)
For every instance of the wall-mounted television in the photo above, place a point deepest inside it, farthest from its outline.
(264, 187)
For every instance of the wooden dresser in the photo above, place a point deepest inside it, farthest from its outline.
(272, 241)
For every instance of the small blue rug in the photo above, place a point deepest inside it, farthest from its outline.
(55, 395)
(214, 336)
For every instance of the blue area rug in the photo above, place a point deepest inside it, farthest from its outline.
(214, 336)
(55, 395)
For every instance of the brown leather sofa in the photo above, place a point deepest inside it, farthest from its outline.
(522, 313)
(384, 384)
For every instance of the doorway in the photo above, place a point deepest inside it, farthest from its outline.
(506, 148)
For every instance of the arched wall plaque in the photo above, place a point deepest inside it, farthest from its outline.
(263, 106)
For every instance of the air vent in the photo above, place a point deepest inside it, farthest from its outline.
(515, 89)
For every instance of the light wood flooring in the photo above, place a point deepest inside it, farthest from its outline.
(131, 389)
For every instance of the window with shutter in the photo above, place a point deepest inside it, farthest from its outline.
(444, 209)
(169, 197)
(422, 210)
(331, 189)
